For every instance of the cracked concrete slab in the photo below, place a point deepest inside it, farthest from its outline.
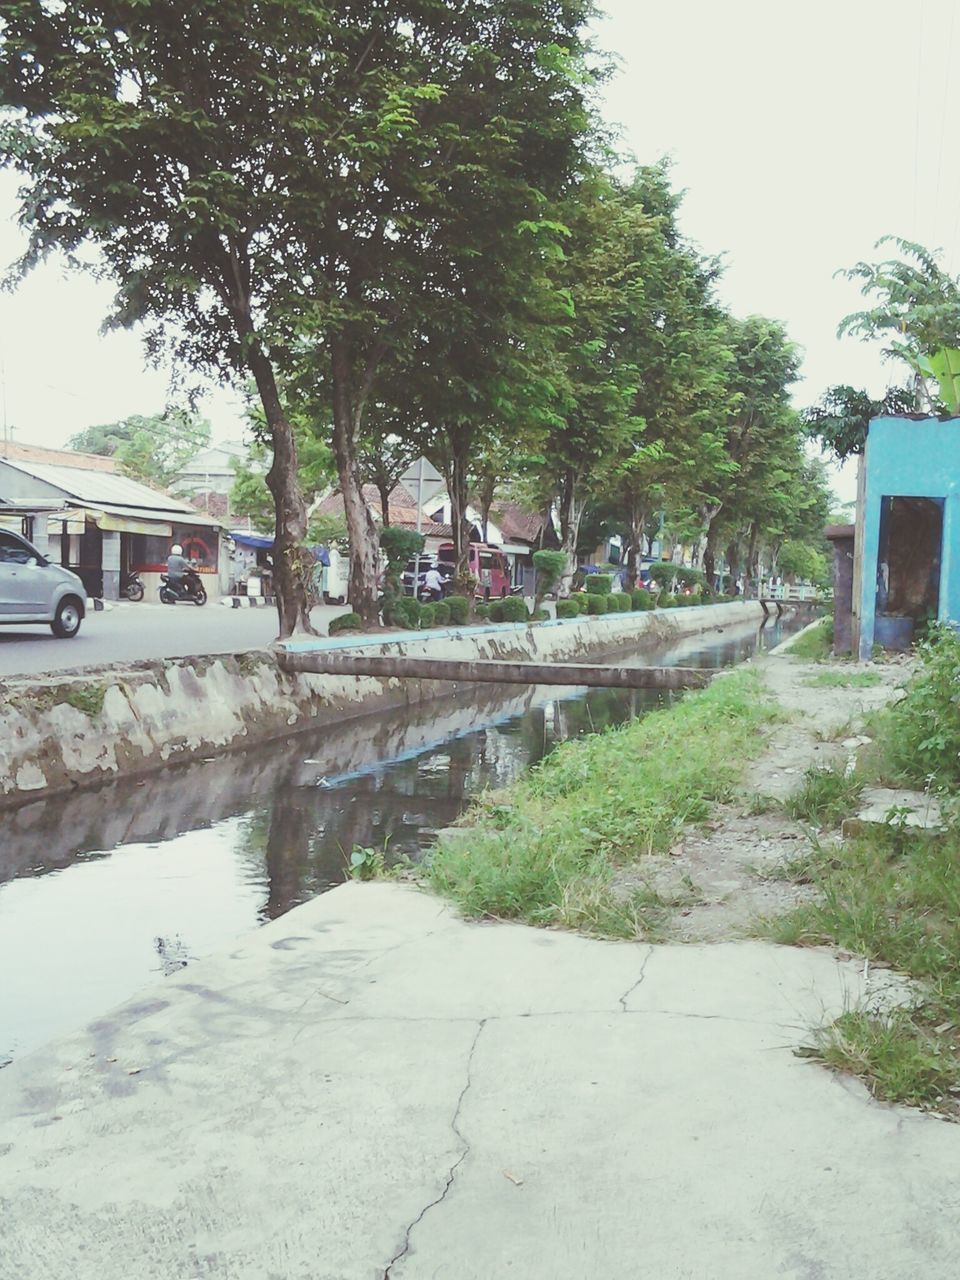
(370, 1087)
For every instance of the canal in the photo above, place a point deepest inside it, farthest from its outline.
(103, 892)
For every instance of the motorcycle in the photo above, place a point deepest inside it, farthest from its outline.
(190, 589)
(132, 588)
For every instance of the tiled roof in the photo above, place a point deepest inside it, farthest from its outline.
(514, 522)
(403, 511)
(13, 451)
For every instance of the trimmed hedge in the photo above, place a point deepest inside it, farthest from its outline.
(568, 609)
(621, 601)
(642, 599)
(598, 584)
(596, 604)
(459, 607)
(441, 613)
(515, 609)
(482, 611)
(495, 611)
(345, 622)
(428, 614)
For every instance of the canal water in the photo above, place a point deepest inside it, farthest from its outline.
(105, 891)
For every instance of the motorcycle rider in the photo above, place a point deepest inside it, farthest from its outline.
(177, 569)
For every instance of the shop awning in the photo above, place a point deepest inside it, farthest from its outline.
(157, 524)
(256, 541)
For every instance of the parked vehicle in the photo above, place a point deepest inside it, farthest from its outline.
(427, 562)
(190, 589)
(132, 588)
(34, 589)
(489, 566)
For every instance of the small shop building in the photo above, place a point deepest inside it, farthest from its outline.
(80, 512)
(900, 569)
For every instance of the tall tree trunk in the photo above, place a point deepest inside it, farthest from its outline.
(291, 560)
(485, 494)
(570, 513)
(384, 489)
(361, 529)
(733, 564)
(635, 519)
(457, 485)
(753, 569)
(710, 553)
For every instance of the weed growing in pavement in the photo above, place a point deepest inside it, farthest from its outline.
(826, 796)
(844, 680)
(756, 805)
(892, 896)
(548, 849)
(814, 645)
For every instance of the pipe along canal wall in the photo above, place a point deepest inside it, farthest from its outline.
(85, 727)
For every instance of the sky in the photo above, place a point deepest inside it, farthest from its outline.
(800, 134)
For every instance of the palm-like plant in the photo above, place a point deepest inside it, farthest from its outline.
(919, 303)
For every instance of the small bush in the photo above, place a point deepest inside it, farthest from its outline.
(596, 604)
(598, 584)
(481, 611)
(459, 607)
(663, 573)
(402, 611)
(495, 610)
(428, 614)
(549, 566)
(441, 613)
(345, 622)
(515, 609)
(621, 601)
(568, 609)
(667, 600)
(922, 731)
(540, 615)
(826, 797)
(642, 599)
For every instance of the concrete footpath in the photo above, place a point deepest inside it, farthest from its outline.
(371, 1088)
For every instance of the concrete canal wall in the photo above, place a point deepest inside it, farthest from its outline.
(85, 727)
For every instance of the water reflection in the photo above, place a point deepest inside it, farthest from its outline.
(100, 892)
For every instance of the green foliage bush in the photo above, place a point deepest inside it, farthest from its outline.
(568, 609)
(459, 607)
(428, 614)
(495, 611)
(598, 584)
(621, 601)
(642, 599)
(667, 600)
(514, 609)
(481, 611)
(663, 573)
(922, 731)
(345, 622)
(539, 615)
(441, 613)
(596, 604)
(690, 577)
(549, 566)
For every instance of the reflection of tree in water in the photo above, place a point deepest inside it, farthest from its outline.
(301, 841)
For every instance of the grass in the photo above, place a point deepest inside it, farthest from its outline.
(815, 643)
(894, 897)
(826, 796)
(844, 680)
(548, 849)
(87, 698)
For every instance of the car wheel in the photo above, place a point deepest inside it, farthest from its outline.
(67, 619)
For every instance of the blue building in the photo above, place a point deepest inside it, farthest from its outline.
(907, 560)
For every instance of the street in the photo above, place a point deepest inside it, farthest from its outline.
(132, 632)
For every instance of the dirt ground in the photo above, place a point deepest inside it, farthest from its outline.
(711, 873)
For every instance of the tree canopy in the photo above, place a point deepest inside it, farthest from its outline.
(152, 448)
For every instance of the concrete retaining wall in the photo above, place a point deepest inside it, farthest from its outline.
(85, 727)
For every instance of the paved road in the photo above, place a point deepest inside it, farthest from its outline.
(370, 1087)
(130, 632)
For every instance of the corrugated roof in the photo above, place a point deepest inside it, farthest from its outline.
(14, 451)
(99, 487)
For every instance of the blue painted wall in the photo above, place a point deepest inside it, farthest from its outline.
(906, 459)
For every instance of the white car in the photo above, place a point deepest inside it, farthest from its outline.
(33, 589)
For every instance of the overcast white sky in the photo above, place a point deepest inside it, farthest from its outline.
(800, 133)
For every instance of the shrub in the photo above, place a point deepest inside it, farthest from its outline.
(495, 610)
(596, 604)
(345, 622)
(515, 609)
(428, 614)
(539, 615)
(667, 600)
(459, 607)
(690, 577)
(568, 609)
(924, 727)
(641, 599)
(598, 584)
(549, 566)
(663, 573)
(621, 601)
(441, 613)
(481, 611)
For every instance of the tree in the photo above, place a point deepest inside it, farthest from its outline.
(153, 449)
(919, 303)
(841, 418)
(250, 495)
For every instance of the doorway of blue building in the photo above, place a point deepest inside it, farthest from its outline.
(908, 569)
